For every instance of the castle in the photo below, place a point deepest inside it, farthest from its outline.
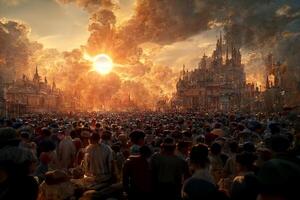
(29, 96)
(217, 84)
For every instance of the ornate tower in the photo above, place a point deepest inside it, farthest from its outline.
(36, 77)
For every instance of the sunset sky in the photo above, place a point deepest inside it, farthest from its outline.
(65, 27)
(148, 41)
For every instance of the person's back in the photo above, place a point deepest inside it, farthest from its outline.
(169, 171)
(98, 161)
(15, 166)
(137, 176)
(66, 152)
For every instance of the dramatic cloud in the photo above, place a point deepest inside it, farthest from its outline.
(258, 27)
(16, 49)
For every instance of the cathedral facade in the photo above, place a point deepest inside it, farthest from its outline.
(25, 96)
(217, 84)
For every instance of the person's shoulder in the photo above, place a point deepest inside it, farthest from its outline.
(105, 147)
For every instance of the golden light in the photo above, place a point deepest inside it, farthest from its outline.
(102, 64)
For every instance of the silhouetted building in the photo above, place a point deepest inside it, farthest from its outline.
(273, 94)
(217, 84)
(28, 96)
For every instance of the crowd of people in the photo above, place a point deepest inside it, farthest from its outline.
(148, 155)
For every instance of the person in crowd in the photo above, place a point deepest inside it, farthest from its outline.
(137, 175)
(245, 184)
(57, 186)
(16, 165)
(27, 143)
(137, 141)
(217, 160)
(66, 152)
(182, 149)
(262, 149)
(98, 161)
(200, 163)
(169, 171)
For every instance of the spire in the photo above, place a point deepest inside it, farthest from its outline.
(53, 85)
(267, 83)
(227, 59)
(46, 81)
(221, 43)
(36, 70)
(36, 77)
(183, 71)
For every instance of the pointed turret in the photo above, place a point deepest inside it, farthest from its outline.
(227, 59)
(221, 44)
(267, 83)
(53, 85)
(36, 77)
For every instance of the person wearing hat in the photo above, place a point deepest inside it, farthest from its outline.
(199, 163)
(15, 166)
(168, 171)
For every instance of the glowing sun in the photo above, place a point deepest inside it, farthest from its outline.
(102, 64)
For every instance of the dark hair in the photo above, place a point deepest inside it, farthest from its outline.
(249, 147)
(136, 135)
(246, 159)
(95, 137)
(199, 154)
(279, 143)
(215, 148)
(46, 132)
(168, 144)
(233, 146)
(145, 151)
(106, 135)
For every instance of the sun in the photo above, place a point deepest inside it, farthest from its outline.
(102, 64)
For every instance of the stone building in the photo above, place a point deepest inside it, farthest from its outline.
(25, 96)
(217, 84)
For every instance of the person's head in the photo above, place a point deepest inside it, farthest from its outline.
(245, 162)
(183, 147)
(8, 137)
(137, 137)
(168, 145)
(56, 177)
(25, 136)
(98, 125)
(233, 146)
(216, 148)
(279, 179)
(123, 139)
(249, 147)
(279, 143)
(94, 139)
(46, 132)
(145, 152)
(195, 189)
(245, 187)
(106, 136)
(199, 155)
